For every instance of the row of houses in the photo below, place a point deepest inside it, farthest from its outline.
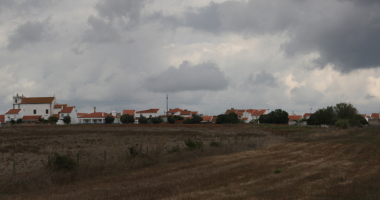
(31, 109)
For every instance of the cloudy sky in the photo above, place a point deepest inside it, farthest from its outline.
(207, 55)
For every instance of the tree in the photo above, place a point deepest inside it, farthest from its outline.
(109, 119)
(231, 118)
(143, 120)
(171, 120)
(127, 119)
(275, 117)
(156, 120)
(53, 119)
(19, 121)
(187, 121)
(67, 120)
(13, 121)
(345, 111)
(196, 119)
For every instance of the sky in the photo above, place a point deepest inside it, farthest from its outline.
(208, 56)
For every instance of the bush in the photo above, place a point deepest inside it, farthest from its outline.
(109, 119)
(275, 117)
(53, 119)
(133, 152)
(277, 171)
(13, 121)
(187, 121)
(231, 118)
(342, 123)
(143, 120)
(67, 119)
(19, 121)
(214, 144)
(156, 120)
(127, 119)
(193, 145)
(171, 120)
(61, 163)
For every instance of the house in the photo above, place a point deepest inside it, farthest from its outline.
(247, 115)
(14, 114)
(96, 118)
(31, 119)
(256, 113)
(293, 119)
(214, 119)
(35, 106)
(375, 116)
(186, 113)
(175, 111)
(129, 112)
(81, 114)
(307, 115)
(206, 119)
(68, 111)
(59, 107)
(147, 113)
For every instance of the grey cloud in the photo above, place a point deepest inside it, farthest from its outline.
(344, 33)
(100, 31)
(205, 76)
(369, 97)
(303, 95)
(263, 78)
(29, 33)
(129, 9)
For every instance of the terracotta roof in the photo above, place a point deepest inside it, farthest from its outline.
(81, 114)
(240, 114)
(245, 118)
(96, 115)
(67, 110)
(194, 112)
(129, 112)
(363, 115)
(148, 111)
(37, 100)
(375, 115)
(2, 118)
(57, 115)
(206, 118)
(13, 111)
(187, 112)
(214, 119)
(294, 117)
(60, 106)
(175, 110)
(258, 112)
(31, 118)
(230, 111)
(307, 115)
(240, 111)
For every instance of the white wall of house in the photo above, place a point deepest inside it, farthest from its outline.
(9, 117)
(73, 115)
(147, 115)
(96, 120)
(46, 109)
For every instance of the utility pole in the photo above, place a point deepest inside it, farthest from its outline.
(167, 107)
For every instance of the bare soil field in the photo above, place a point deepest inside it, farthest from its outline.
(313, 163)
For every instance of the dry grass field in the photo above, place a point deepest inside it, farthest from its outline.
(314, 163)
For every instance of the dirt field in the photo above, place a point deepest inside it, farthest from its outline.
(314, 164)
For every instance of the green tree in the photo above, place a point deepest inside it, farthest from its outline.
(156, 120)
(143, 120)
(109, 119)
(67, 119)
(345, 111)
(231, 118)
(171, 120)
(187, 121)
(277, 116)
(19, 121)
(13, 121)
(127, 119)
(53, 119)
(196, 119)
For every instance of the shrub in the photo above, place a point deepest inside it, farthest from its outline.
(174, 150)
(156, 120)
(231, 118)
(19, 121)
(127, 119)
(13, 121)
(171, 120)
(342, 123)
(109, 119)
(275, 117)
(53, 119)
(61, 163)
(214, 144)
(193, 145)
(133, 152)
(67, 120)
(277, 171)
(143, 120)
(187, 121)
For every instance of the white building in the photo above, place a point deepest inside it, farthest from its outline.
(96, 118)
(33, 106)
(68, 111)
(14, 114)
(147, 113)
(59, 107)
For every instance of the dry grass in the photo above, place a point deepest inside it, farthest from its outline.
(314, 164)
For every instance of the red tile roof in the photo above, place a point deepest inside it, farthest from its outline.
(240, 111)
(96, 115)
(13, 111)
(307, 115)
(230, 111)
(194, 112)
(67, 110)
(37, 100)
(294, 117)
(31, 118)
(186, 112)
(149, 111)
(57, 115)
(81, 114)
(175, 110)
(2, 118)
(129, 112)
(239, 114)
(363, 115)
(258, 112)
(214, 119)
(60, 106)
(245, 118)
(375, 115)
(206, 118)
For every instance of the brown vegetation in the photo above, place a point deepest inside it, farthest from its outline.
(315, 163)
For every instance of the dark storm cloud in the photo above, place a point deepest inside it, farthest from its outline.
(263, 78)
(205, 76)
(129, 9)
(29, 33)
(100, 31)
(344, 33)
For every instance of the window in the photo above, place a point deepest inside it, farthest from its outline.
(150, 116)
(34, 111)
(47, 111)
(15, 100)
